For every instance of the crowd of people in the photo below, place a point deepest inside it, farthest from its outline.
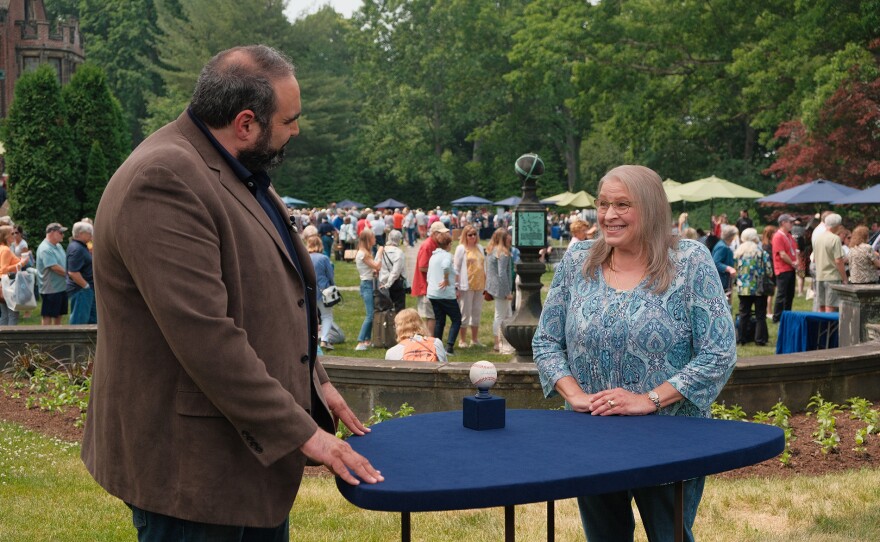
(63, 278)
(797, 256)
(765, 269)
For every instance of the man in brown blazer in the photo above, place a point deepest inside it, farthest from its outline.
(207, 397)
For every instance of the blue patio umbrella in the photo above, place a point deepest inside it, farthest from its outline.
(869, 195)
(390, 203)
(472, 201)
(292, 202)
(818, 191)
(347, 204)
(512, 201)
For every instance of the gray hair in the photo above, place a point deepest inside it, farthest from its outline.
(394, 238)
(832, 220)
(728, 232)
(750, 234)
(237, 79)
(649, 200)
(82, 227)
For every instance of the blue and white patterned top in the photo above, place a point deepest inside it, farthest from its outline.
(636, 339)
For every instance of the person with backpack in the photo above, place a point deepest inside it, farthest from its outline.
(413, 341)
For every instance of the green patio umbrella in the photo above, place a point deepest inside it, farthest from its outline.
(712, 188)
(671, 188)
(557, 197)
(578, 200)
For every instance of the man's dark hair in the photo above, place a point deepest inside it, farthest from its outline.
(237, 79)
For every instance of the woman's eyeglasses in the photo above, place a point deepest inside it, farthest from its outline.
(472, 235)
(620, 207)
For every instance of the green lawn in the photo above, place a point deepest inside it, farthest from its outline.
(47, 495)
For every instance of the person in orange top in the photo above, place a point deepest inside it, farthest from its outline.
(8, 264)
(398, 220)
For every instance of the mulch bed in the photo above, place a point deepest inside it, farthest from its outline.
(806, 459)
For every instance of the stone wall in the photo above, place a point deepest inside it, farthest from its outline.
(757, 383)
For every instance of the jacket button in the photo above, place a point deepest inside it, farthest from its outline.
(305, 358)
(301, 302)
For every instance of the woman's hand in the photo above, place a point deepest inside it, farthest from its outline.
(621, 402)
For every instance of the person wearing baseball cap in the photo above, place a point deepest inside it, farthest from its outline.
(55, 227)
(784, 258)
(437, 227)
(419, 283)
(52, 268)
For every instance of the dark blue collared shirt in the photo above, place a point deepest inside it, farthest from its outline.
(258, 185)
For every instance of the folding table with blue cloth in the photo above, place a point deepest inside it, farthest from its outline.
(431, 462)
(801, 331)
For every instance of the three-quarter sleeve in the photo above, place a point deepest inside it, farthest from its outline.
(549, 343)
(713, 338)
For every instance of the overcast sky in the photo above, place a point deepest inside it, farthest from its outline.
(296, 7)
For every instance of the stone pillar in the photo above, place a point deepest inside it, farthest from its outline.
(859, 306)
(530, 236)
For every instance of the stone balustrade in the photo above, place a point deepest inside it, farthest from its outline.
(757, 383)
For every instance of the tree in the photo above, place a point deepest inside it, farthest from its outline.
(192, 32)
(844, 146)
(120, 37)
(38, 151)
(93, 115)
(97, 175)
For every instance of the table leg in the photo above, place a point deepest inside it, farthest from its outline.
(405, 527)
(551, 521)
(509, 530)
(679, 511)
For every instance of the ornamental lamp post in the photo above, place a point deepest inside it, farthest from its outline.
(529, 236)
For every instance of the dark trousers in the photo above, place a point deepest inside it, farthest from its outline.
(745, 313)
(442, 309)
(152, 526)
(785, 282)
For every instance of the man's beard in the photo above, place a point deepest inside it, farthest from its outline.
(261, 157)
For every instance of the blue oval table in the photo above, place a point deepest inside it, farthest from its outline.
(431, 462)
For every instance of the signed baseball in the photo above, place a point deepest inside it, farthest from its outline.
(483, 374)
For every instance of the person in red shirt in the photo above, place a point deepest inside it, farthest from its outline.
(419, 284)
(398, 220)
(362, 222)
(784, 258)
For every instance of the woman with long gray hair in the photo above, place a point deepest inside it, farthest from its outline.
(636, 323)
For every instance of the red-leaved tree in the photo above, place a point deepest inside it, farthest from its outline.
(844, 147)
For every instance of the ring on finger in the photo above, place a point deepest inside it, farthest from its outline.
(611, 403)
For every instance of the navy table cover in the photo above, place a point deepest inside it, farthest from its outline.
(431, 462)
(800, 331)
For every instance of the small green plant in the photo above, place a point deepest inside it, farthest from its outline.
(861, 409)
(379, 415)
(722, 412)
(826, 434)
(779, 416)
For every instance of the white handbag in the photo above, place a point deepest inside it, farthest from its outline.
(330, 296)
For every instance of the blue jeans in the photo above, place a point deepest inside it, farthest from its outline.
(327, 241)
(411, 236)
(8, 317)
(609, 517)
(152, 526)
(367, 327)
(442, 309)
(82, 307)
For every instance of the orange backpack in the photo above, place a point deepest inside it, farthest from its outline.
(422, 349)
